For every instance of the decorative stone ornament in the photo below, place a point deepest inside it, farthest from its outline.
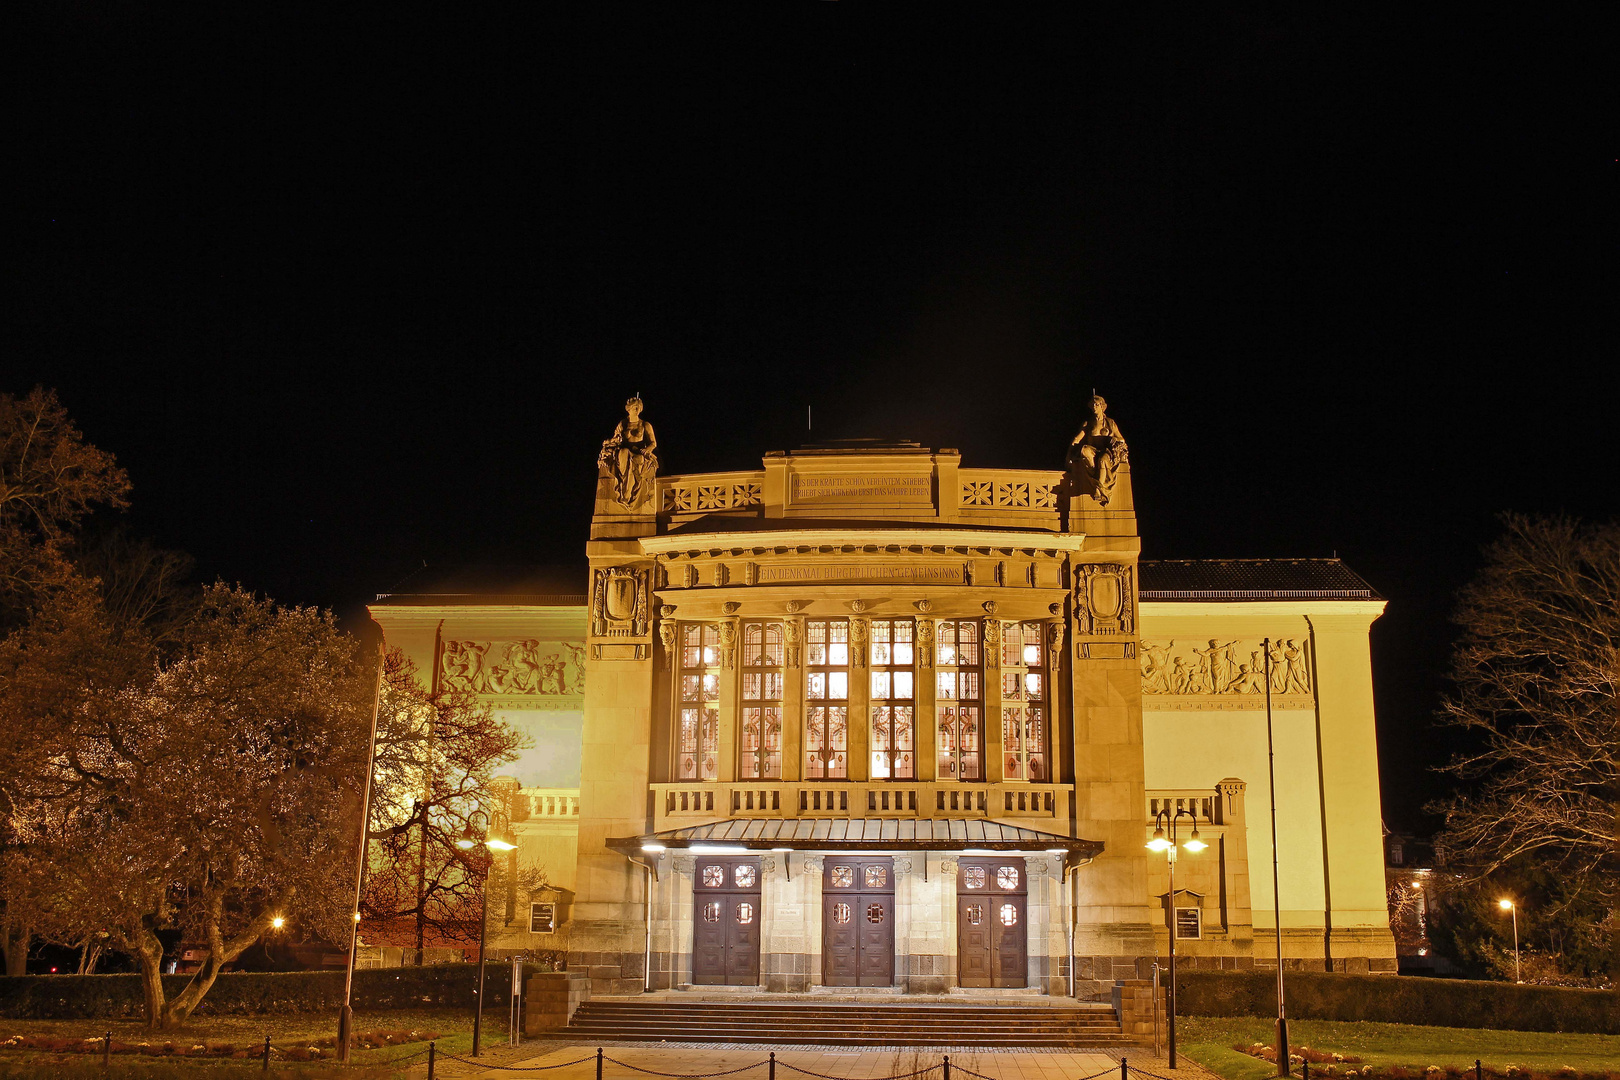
(619, 602)
(792, 636)
(989, 607)
(1098, 452)
(924, 606)
(627, 457)
(728, 643)
(1102, 599)
(731, 607)
(925, 642)
(857, 640)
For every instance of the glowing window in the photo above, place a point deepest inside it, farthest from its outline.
(1009, 914)
(714, 876)
(975, 914)
(711, 911)
(761, 743)
(1023, 701)
(840, 914)
(826, 691)
(973, 877)
(894, 716)
(745, 914)
(874, 913)
(959, 713)
(745, 876)
(698, 722)
(842, 877)
(876, 877)
(1007, 877)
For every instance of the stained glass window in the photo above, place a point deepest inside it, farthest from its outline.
(894, 714)
(714, 876)
(826, 716)
(876, 877)
(1023, 701)
(698, 734)
(745, 876)
(959, 709)
(874, 913)
(975, 914)
(842, 877)
(840, 914)
(761, 745)
(973, 877)
(711, 911)
(745, 913)
(1009, 914)
(1007, 877)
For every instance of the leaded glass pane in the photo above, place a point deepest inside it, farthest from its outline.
(714, 876)
(875, 877)
(973, 877)
(745, 876)
(843, 877)
(1007, 877)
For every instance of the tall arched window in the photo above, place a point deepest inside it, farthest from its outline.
(761, 701)
(960, 708)
(826, 694)
(894, 712)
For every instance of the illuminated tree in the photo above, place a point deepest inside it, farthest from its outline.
(1536, 686)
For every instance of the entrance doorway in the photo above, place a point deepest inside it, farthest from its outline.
(991, 936)
(725, 921)
(857, 913)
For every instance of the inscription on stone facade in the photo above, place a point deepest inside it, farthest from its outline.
(949, 575)
(900, 488)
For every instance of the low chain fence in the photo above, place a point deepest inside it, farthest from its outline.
(770, 1064)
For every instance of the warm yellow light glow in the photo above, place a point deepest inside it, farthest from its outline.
(495, 843)
(277, 923)
(357, 916)
(466, 843)
(1505, 905)
(1195, 844)
(1417, 884)
(1159, 843)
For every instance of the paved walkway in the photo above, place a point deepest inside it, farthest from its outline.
(866, 1063)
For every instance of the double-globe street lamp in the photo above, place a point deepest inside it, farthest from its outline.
(499, 841)
(1165, 825)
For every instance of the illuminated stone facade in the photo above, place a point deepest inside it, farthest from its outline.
(823, 704)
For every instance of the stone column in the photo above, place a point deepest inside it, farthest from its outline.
(860, 702)
(730, 691)
(906, 960)
(946, 868)
(813, 867)
(678, 923)
(1048, 944)
(995, 765)
(1234, 818)
(793, 698)
(927, 687)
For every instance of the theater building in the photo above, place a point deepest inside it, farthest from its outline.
(865, 717)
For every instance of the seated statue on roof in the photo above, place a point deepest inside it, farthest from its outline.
(627, 456)
(1099, 450)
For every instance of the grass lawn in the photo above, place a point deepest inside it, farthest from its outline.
(454, 1030)
(1209, 1042)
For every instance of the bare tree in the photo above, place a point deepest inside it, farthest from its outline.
(437, 753)
(1534, 684)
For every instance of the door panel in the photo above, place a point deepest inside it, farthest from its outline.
(992, 935)
(857, 904)
(725, 922)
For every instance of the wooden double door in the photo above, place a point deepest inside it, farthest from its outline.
(992, 938)
(725, 921)
(857, 919)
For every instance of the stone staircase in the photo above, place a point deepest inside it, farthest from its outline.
(871, 1023)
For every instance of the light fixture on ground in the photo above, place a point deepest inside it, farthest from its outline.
(1165, 825)
(497, 841)
(1508, 905)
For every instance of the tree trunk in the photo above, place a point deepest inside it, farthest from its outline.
(15, 940)
(220, 953)
(148, 952)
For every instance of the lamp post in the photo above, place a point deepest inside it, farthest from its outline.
(1509, 905)
(346, 1014)
(498, 842)
(1283, 1064)
(1164, 839)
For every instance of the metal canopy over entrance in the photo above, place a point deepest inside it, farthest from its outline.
(861, 834)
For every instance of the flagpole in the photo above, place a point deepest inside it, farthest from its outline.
(346, 1016)
(1283, 1066)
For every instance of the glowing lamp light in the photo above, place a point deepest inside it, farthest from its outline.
(1193, 843)
(277, 923)
(653, 848)
(357, 916)
(718, 849)
(495, 843)
(466, 843)
(1505, 905)
(1159, 843)
(1057, 851)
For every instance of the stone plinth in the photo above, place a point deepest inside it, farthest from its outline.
(551, 999)
(1133, 1003)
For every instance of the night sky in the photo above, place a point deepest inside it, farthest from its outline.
(345, 297)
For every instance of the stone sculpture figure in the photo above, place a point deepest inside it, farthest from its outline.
(627, 457)
(1100, 449)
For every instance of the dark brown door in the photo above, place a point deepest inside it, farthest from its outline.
(857, 912)
(991, 935)
(725, 922)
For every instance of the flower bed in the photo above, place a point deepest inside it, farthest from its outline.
(301, 1050)
(1324, 1063)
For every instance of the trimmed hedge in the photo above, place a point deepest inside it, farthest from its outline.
(1394, 999)
(251, 993)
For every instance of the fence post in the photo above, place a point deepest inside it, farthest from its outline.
(106, 1052)
(267, 1053)
(1479, 1070)
(1304, 1068)
(1122, 1067)
(432, 1053)
(947, 1067)
(773, 1065)
(598, 1063)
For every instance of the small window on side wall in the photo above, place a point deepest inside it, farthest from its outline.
(1189, 924)
(542, 918)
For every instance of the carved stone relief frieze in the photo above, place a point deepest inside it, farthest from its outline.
(728, 643)
(1104, 599)
(619, 602)
(1216, 668)
(522, 668)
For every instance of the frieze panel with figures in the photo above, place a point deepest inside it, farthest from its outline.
(1224, 673)
(524, 669)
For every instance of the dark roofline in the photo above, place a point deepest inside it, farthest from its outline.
(484, 599)
(1269, 579)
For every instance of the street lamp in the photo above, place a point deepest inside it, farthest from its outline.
(1508, 905)
(1164, 839)
(500, 841)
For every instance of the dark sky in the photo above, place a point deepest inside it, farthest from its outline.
(346, 296)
